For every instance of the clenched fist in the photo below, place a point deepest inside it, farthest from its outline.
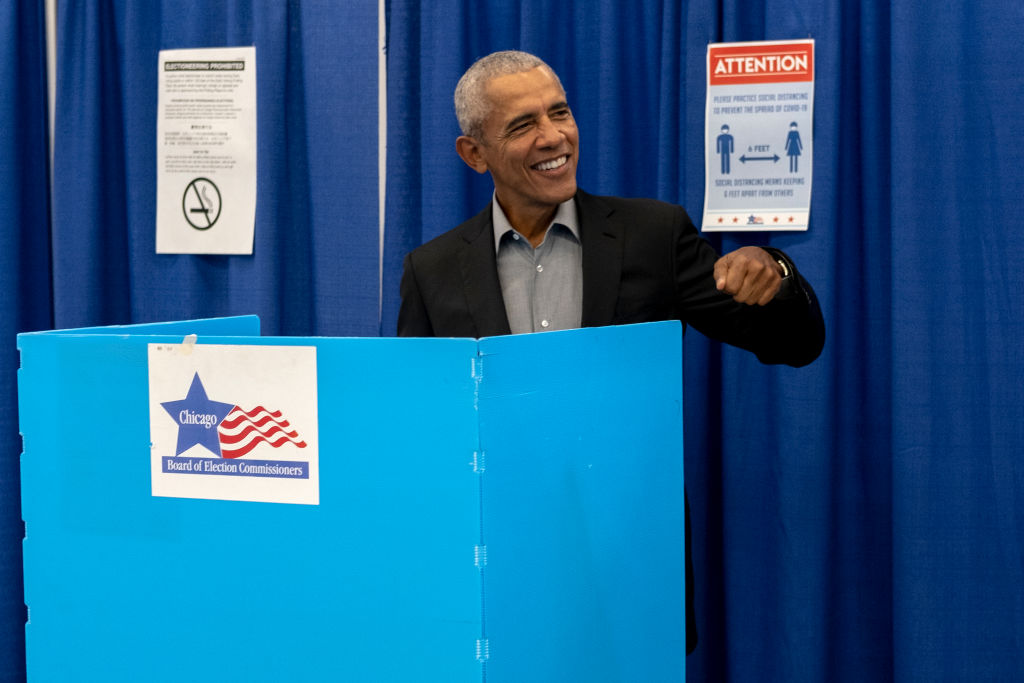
(749, 274)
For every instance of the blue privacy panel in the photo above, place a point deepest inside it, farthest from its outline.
(503, 510)
(583, 508)
(376, 583)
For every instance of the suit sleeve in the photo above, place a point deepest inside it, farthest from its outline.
(790, 330)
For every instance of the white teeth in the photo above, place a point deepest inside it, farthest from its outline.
(554, 163)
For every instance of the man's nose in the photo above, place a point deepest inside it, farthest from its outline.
(548, 134)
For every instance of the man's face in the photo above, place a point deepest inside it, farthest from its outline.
(529, 143)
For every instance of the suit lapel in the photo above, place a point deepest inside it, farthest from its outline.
(480, 277)
(602, 259)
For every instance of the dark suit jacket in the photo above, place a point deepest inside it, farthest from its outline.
(643, 261)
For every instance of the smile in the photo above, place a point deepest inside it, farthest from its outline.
(554, 163)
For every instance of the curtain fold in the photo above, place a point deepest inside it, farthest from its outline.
(24, 281)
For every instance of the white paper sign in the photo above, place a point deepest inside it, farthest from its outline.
(206, 151)
(234, 422)
(758, 136)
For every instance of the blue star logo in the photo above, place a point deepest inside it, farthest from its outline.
(197, 417)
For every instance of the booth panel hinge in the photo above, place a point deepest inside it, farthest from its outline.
(483, 650)
(480, 556)
(479, 462)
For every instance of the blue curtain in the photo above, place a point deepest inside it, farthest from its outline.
(861, 519)
(957, 356)
(24, 280)
(314, 269)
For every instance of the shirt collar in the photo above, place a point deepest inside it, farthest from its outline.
(565, 215)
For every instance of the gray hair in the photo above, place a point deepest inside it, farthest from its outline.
(471, 103)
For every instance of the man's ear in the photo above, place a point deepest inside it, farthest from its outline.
(469, 149)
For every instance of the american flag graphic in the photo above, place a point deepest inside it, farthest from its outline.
(242, 430)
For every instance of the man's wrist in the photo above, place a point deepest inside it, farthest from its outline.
(783, 268)
(783, 265)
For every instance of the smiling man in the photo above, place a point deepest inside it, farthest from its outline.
(545, 255)
(528, 141)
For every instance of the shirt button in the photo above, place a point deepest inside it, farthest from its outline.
(515, 236)
(544, 323)
(540, 268)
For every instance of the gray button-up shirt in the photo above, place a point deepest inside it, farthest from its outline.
(542, 287)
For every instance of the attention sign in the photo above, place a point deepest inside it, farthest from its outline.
(759, 136)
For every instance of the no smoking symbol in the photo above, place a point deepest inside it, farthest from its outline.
(201, 204)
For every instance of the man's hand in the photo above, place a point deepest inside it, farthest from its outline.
(750, 274)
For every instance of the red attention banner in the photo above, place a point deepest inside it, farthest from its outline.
(778, 63)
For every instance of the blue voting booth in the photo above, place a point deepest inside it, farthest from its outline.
(503, 509)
